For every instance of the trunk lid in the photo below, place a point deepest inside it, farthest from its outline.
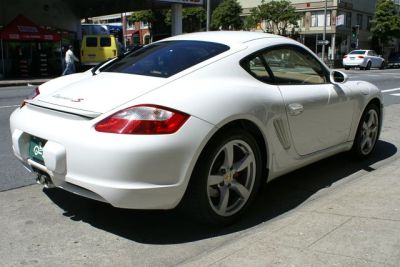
(95, 94)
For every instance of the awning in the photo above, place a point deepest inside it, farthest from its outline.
(22, 29)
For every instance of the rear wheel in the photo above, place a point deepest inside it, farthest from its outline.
(346, 68)
(382, 65)
(367, 132)
(362, 68)
(368, 65)
(226, 178)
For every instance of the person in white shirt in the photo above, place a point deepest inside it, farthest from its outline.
(70, 59)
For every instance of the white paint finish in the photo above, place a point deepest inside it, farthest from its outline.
(326, 119)
(152, 171)
(54, 156)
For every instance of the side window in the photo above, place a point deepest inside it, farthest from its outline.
(255, 67)
(290, 65)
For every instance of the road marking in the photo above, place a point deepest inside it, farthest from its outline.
(395, 94)
(390, 90)
(13, 106)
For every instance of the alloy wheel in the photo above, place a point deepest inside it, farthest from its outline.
(231, 178)
(369, 132)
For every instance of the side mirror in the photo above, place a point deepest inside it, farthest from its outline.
(338, 77)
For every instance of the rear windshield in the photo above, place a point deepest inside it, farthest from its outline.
(91, 41)
(357, 52)
(165, 59)
(105, 41)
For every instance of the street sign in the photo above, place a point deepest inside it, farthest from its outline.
(323, 42)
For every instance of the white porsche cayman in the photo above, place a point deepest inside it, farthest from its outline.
(199, 119)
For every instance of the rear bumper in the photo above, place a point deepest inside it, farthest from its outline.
(138, 172)
(355, 63)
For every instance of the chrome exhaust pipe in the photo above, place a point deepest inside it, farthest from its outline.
(44, 180)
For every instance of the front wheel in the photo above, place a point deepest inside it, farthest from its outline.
(368, 67)
(367, 132)
(226, 178)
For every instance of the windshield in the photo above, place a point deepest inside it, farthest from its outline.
(358, 52)
(165, 59)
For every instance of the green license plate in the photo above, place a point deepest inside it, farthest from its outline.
(36, 145)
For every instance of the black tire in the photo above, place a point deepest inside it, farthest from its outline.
(382, 67)
(204, 198)
(362, 68)
(361, 149)
(368, 67)
(346, 68)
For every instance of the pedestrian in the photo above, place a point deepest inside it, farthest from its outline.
(70, 59)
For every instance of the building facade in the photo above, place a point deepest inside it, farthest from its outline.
(348, 24)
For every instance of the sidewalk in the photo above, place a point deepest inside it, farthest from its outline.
(356, 225)
(23, 82)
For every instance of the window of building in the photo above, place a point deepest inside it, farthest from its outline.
(130, 25)
(369, 23)
(348, 19)
(360, 21)
(300, 22)
(144, 25)
(317, 19)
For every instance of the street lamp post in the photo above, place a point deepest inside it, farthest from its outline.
(324, 33)
(208, 15)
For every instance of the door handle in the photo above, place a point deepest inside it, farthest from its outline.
(295, 109)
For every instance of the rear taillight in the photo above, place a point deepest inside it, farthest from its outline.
(360, 56)
(143, 119)
(115, 52)
(34, 94)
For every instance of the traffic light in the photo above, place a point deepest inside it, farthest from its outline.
(354, 32)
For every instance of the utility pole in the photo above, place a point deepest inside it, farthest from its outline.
(208, 16)
(324, 33)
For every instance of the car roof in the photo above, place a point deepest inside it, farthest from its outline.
(223, 37)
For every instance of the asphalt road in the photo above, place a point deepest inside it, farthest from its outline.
(14, 175)
(387, 80)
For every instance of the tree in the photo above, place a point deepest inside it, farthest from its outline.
(227, 16)
(386, 23)
(277, 15)
(193, 18)
(145, 16)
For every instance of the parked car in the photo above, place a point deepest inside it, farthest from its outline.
(98, 48)
(199, 120)
(394, 60)
(363, 59)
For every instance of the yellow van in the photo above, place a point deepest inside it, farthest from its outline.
(98, 48)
